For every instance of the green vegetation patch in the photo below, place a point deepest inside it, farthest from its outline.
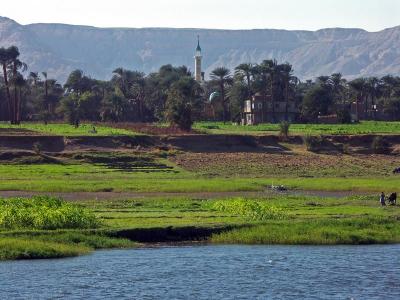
(15, 248)
(364, 127)
(44, 213)
(60, 129)
(256, 210)
(367, 230)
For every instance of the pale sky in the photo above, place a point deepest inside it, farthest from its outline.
(372, 15)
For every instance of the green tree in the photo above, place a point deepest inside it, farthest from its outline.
(178, 110)
(70, 107)
(246, 71)
(5, 60)
(359, 88)
(317, 101)
(114, 108)
(183, 102)
(222, 77)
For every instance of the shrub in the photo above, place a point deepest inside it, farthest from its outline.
(44, 213)
(313, 143)
(284, 129)
(255, 210)
(380, 145)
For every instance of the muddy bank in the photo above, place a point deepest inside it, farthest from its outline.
(170, 234)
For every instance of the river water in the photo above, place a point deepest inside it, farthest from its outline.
(211, 272)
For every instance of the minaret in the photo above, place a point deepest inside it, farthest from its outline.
(197, 62)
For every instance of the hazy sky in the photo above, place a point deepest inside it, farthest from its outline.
(372, 15)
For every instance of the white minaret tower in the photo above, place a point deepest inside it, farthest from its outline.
(197, 62)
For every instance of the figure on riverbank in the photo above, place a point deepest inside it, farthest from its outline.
(392, 199)
(382, 199)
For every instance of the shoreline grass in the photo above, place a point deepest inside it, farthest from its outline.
(16, 249)
(351, 231)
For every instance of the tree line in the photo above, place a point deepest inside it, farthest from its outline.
(171, 94)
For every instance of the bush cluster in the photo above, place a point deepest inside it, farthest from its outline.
(44, 213)
(255, 210)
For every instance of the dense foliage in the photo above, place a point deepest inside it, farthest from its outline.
(43, 213)
(171, 94)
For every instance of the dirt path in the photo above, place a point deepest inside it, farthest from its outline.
(81, 196)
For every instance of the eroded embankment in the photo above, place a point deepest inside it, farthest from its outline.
(190, 143)
(170, 234)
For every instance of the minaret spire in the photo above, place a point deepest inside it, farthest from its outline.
(197, 61)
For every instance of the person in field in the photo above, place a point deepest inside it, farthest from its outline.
(382, 199)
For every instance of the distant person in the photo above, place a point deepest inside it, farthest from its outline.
(382, 199)
(392, 199)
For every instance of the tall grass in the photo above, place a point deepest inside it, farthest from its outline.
(253, 209)
(316, 232)
(44, 213)
(12, 248)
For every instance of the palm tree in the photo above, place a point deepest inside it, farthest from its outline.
(373, 86)
(358, 86)
(388, 84)
(5, 59)
(16, 66)
(337, 83)
(286, 75)
(245, 71)
(222, 76)
(19, 83)
(34, 78)
(270, 67)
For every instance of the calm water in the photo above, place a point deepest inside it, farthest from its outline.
(211, 272)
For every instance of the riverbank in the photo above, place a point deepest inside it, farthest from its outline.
(272, 219)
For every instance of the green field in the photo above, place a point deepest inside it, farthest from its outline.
(60, 129)
(139, 172)
(86, 129)
(89, 178)
(364, 127)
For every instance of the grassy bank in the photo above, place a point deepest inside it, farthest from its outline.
(61, 129)
(350, 231)
(268, 220)
(364, 127)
